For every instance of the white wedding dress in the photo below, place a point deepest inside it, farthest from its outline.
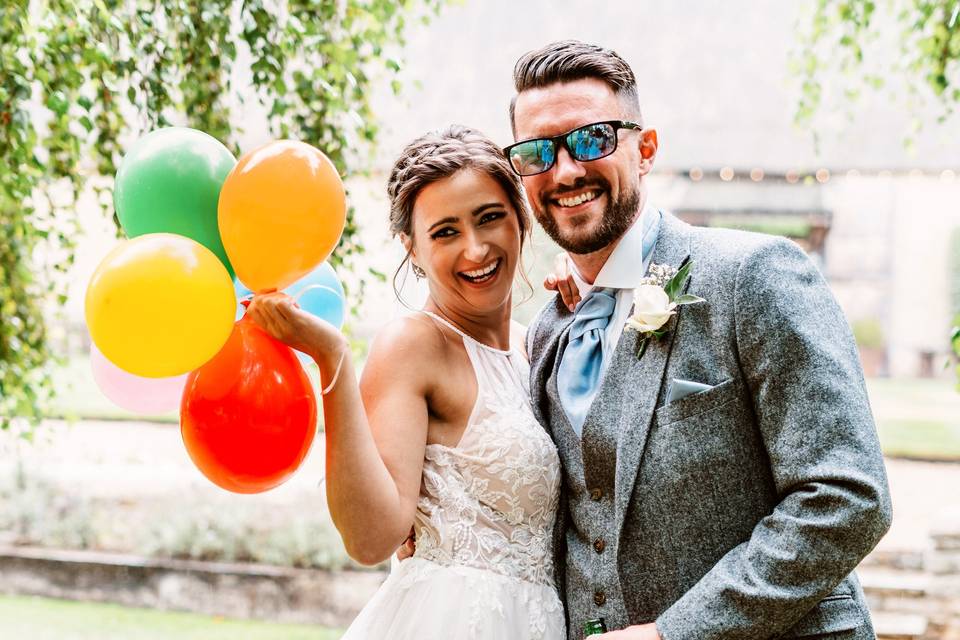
(483, 568)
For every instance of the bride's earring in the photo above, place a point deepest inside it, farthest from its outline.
(417, 271)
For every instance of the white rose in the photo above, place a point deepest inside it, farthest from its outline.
(651, 308)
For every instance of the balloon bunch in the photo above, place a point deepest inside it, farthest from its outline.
(162, 307)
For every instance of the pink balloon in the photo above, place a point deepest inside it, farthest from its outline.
(145, 396)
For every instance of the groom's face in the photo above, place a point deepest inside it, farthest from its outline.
(583, 206)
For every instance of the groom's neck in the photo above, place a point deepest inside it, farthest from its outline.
(589, 264)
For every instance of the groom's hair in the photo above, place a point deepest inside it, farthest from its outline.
(570, 60)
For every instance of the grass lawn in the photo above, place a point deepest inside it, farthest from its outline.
(920, 439)
(917, 418)
(46, 619)
(78, 396)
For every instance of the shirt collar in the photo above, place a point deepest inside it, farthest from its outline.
(624, 268)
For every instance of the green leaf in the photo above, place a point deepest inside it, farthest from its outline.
(675, 285)
(687, 298)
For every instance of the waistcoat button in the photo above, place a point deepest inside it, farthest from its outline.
(599, 598)
(599, 545)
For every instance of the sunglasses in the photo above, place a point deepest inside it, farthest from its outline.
(586, 143)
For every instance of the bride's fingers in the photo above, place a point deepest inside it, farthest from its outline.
(265, 314)
(569, 292)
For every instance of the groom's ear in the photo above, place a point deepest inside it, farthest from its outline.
(648, 149)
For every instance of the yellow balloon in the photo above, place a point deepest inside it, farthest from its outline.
(160, 305)
(281, 212)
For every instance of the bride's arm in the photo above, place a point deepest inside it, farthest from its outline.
(375, 459)
(375, 438)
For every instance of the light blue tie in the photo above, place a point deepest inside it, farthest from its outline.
(581, 364)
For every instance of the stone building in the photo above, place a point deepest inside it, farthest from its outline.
(881, 222)
(714, 81)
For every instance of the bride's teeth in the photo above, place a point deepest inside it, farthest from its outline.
(482, 272)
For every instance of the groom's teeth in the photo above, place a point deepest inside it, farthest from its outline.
(580, 199)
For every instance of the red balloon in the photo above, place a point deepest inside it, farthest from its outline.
(248, 416)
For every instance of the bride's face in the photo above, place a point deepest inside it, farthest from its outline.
(466, 237)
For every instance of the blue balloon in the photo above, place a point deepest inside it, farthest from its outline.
(319, 292)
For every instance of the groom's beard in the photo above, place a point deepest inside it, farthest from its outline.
(617, 218)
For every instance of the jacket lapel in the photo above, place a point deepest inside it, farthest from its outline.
(642, 381)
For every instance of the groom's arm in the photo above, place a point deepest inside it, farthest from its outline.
(799, 361)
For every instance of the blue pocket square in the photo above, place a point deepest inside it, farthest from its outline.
(683, 388)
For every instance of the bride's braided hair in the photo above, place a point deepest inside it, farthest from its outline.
(440, 154)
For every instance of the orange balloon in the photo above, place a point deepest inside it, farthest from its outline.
(281, 213)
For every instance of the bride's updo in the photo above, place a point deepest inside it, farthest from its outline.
(440, 154)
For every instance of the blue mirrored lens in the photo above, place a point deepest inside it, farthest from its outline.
(546, 151)
(592, 142)
(534, 156)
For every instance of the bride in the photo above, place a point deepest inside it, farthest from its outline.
(439, 435)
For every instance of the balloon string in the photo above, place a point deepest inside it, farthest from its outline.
(336, 376)
(300, 293)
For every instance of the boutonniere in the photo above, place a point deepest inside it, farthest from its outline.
(656, 299)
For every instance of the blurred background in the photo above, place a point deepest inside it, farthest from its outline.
(830, 123)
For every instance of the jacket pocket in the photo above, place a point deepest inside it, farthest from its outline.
(698, 403)
(835, 613)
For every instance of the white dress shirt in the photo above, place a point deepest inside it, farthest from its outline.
(623, 271)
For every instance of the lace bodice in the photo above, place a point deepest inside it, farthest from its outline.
(489, 502)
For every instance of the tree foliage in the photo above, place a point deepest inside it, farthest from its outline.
(851, 39)
(955, 343)
(78, 77)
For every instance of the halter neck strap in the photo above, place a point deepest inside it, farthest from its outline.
(463, 334)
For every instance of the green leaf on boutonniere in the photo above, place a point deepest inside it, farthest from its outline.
(687, 298)
(676, 282)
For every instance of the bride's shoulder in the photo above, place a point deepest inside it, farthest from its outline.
(408, 339)
(404, 357)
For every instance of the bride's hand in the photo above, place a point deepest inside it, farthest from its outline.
(281, 317)
(561, 279)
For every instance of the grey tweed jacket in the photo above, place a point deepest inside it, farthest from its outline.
(739, 512)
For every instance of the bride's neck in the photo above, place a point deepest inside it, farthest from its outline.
(490, 328)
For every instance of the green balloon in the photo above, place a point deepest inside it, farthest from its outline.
(169, 181)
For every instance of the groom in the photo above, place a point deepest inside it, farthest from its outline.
(724, 481)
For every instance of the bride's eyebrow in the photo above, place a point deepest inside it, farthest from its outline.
(446, 220)
(481, 209)
(485, 207)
